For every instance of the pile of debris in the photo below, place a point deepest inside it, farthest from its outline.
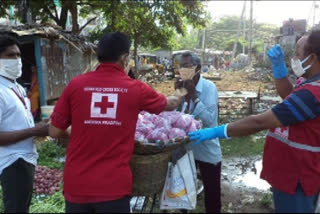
(233, 107)
(212, 75)
(240, 62)
(154, 77)
(259, 74)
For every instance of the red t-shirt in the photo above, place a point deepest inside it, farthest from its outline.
(102, 106)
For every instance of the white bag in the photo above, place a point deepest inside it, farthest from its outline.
(317, 206)
(180, 189)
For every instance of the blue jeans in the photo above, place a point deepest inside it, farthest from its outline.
(296, 203)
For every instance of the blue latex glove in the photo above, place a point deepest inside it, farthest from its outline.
(276, 57)
(208, 134)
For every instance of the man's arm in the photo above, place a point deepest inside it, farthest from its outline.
(8, 138)
(244, 127)
(205, 110)
(253, 124)
(300, 106)
(284, 87)
(173, 103)
(280, 71)
(59, 133)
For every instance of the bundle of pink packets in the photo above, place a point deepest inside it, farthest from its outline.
(165, 126)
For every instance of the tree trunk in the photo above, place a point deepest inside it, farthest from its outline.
(64, 14)
(113, 11)
(74, 14)
(135, 55)
(23, 11)
(250, 32)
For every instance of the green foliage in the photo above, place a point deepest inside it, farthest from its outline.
(1, 202)
(151, 23)
(49, 151)
(243, 146)
(267, 199)
(48, 204)
(4, 7)
(43, 204)
(46, 10)
(189, 41)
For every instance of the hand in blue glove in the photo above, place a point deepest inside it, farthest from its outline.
(276, 57)
(209, 133)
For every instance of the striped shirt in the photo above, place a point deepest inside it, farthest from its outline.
(300, 106)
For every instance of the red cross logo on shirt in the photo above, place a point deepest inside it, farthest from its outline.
(282, 131)
(104, 105)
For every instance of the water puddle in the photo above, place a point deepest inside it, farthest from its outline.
(244, 173)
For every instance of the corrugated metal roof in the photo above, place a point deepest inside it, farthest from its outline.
(79, 42)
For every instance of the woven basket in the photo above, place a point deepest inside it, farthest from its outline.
(149, 173)
(142, 149)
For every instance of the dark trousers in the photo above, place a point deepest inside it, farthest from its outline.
(211, 178)
(117, 206)
(17, 186)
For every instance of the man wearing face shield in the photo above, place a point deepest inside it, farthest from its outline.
(102, 108)
(292, 150)
(18, 155)
(202, 102)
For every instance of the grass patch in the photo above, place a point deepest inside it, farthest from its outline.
(49, 151)
(1, 202)
(43, 204)
(243, 146)
(267, 200)
(48, 204)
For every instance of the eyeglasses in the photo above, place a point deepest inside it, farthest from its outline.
(187, 66)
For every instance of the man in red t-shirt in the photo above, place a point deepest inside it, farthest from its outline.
(102, 107)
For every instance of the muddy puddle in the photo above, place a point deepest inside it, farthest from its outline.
(244, 173)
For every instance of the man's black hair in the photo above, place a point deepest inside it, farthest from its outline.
(7, 41)
(195, 58)
(313, 43)
(131, 74)
(112, 45)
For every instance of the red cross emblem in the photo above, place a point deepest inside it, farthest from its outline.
(104, 105)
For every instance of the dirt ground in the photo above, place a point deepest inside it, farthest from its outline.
(242, 189)
(237, 200)
(230, 81)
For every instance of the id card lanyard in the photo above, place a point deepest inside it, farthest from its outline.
(20, 97)
(19, 94)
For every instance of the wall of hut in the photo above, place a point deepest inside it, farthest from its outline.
(61, 62)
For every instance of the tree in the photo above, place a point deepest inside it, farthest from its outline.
(152, 23)
(189, 40)
(46, 10)
(4, 7)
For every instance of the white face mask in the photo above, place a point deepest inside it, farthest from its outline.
(187, 73)
(297, 67)
(11, 68)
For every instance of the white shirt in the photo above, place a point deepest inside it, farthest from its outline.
(207, 111)
(14, 115)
